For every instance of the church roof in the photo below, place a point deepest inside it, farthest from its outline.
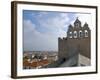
(70, 27)
(77, 21)
(85, 26)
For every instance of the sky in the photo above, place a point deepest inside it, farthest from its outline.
(41, 29)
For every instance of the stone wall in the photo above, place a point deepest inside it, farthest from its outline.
(68, 47)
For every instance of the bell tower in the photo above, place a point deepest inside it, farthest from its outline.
(77, 23)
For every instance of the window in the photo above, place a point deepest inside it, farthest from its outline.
(70, 34)
(75, 34)
(80, 34)
(77, 24)
(86, 33)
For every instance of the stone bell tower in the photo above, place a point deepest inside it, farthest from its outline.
(78, 40)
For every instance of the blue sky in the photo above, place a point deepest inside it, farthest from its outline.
(41, 29)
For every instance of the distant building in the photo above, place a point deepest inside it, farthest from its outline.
(77, 42)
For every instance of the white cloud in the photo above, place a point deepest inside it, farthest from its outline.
(34, 40)
(28, 25)
(64, 17)
(56, 24)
